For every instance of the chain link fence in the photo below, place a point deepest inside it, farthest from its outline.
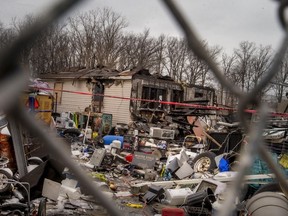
(14, 79)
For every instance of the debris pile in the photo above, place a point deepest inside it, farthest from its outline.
(146, 170)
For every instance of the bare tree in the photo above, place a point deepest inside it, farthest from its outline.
(206, 77)
(244, 56)
(83, 30)
(176, 53)
(6, 36)
(124, 61)
(247, 65)
(197, 71)
(18, 28)
(49, 52)
(228, 65)
(280, 81)
(140, 50)
(108, 41)
(96, 37)
(160, 56)
(260, 64)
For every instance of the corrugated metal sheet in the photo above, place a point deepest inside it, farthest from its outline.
(119, 108)
(73, 102)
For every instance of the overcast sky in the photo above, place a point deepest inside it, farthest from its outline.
(220, 22)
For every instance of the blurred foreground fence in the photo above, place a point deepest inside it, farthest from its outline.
(14, 79)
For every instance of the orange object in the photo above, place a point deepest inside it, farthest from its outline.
(7, 151)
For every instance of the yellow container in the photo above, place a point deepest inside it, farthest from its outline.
(45, 106)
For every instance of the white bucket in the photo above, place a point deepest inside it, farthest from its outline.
(89, 133)
(116, 144)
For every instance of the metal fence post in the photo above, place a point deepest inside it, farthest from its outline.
(18, 146)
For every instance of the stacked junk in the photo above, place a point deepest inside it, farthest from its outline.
(165, 168)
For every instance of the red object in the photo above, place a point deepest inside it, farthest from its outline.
(32, 103)
(173, 212)
(129, 157)
(36, 104)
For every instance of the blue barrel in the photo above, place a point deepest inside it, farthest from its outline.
(108, 139)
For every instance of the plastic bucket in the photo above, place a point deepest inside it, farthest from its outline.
(108, 139)
(116, 144)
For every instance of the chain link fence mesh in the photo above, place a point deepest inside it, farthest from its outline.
(13, 80)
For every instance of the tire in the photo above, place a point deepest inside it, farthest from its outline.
(204, 162)
(5, 176)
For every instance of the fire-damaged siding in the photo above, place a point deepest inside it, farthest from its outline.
(119, 108)
(70, 101)
(155, 88)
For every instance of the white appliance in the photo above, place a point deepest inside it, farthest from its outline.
(161, 133)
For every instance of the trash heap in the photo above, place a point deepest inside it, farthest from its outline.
(146, 176)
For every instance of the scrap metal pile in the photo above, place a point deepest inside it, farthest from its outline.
(147, 169)
(150, 170)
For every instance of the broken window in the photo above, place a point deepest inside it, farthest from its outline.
(150, 93)
(97, 98)
(199, 94)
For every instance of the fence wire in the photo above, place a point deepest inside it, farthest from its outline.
(13, 80)
(256, 142)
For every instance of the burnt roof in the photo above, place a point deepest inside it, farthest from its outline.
(81, 74)
(145, 73)
(134, 71)
(102, 73)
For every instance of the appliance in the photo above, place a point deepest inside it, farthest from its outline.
(160, 133)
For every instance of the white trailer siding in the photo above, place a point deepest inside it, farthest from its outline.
(119, 108)
(71, 101)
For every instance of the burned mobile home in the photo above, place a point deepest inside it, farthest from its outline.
(151, 88)
(126, 95)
